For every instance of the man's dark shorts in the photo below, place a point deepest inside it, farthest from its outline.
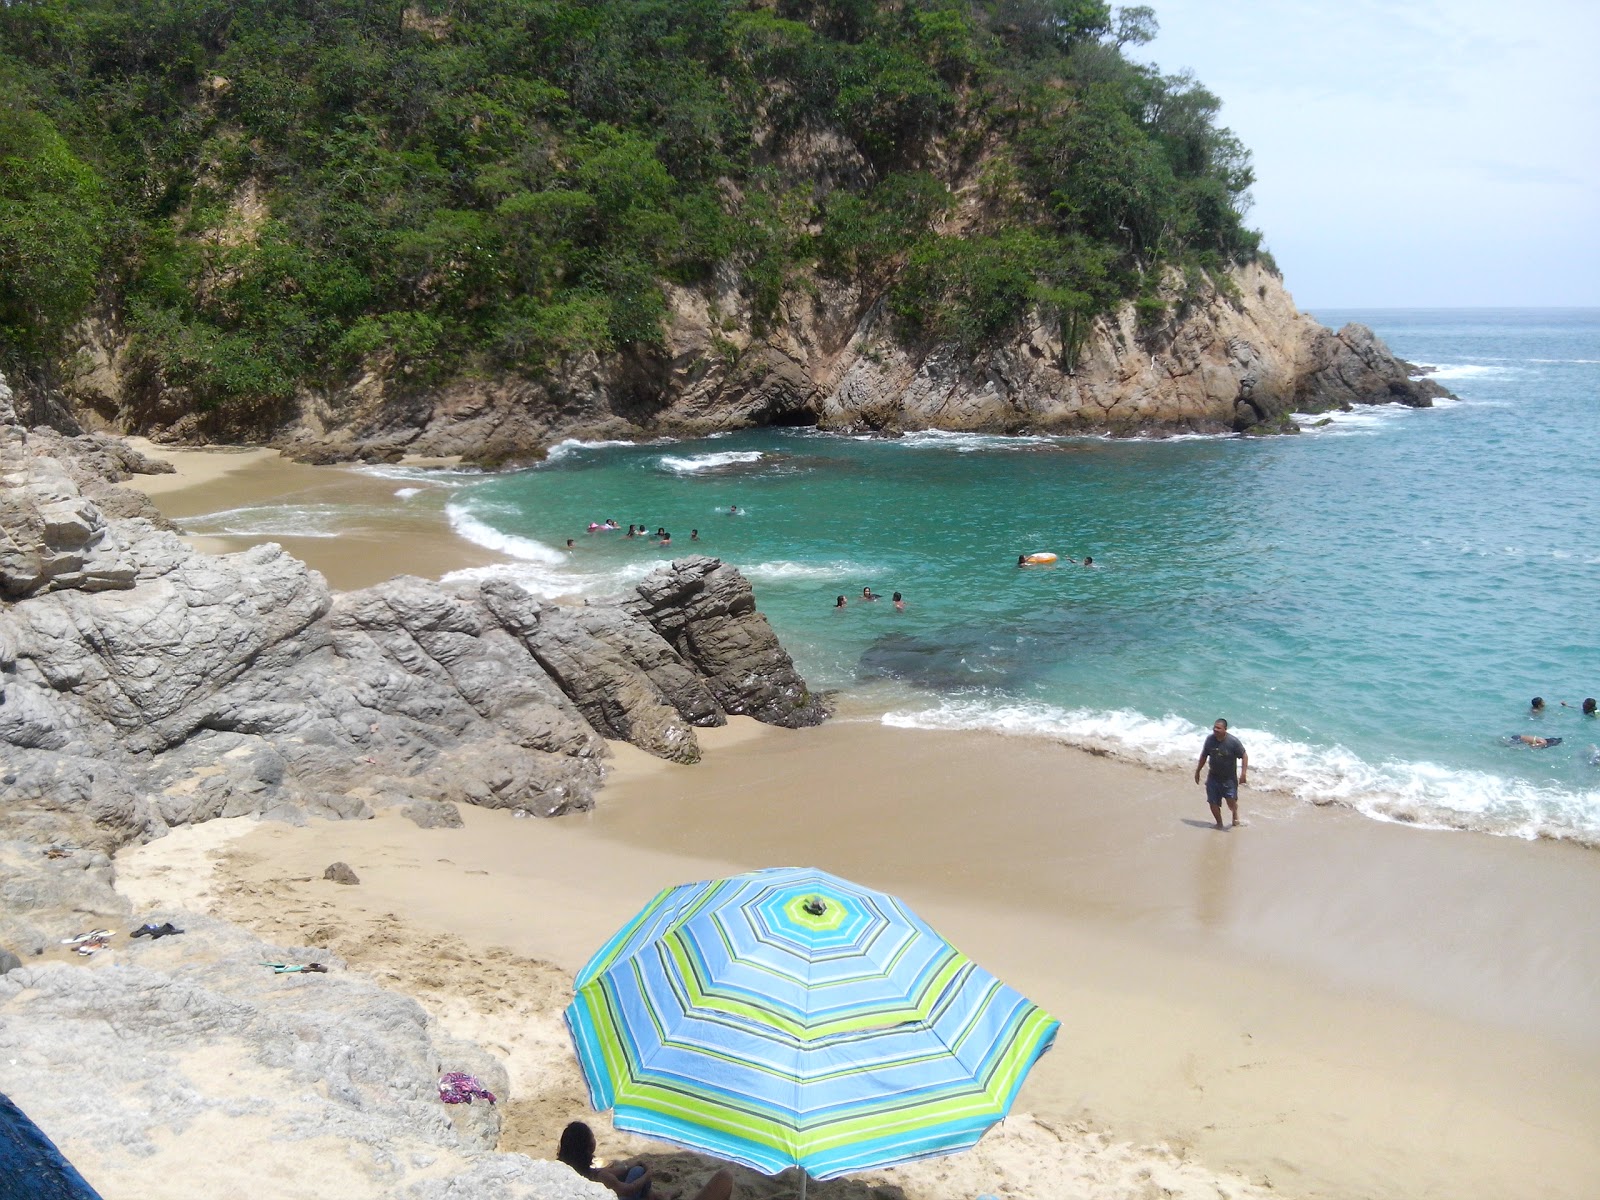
(1218, 789)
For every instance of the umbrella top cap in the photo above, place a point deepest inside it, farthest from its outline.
(815, 905)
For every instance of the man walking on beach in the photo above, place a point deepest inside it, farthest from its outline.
(1229, 767)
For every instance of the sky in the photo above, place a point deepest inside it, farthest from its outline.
(1410, 153)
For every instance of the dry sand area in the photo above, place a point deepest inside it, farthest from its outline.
(1314, 1005)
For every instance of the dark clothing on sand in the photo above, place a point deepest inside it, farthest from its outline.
(1223, 754)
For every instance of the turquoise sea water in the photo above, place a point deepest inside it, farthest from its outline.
(1372, 603)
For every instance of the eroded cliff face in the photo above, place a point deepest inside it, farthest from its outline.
(1238, 360)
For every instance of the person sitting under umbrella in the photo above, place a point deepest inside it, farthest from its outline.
(633, 1183)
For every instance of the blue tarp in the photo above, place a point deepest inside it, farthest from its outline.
(31, 1168)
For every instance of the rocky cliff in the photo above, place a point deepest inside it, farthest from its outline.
(1239, 357)
(143, 685)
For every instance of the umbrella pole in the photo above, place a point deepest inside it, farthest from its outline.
(803, 1178)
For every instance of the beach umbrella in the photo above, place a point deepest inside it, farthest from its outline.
(787, 1017)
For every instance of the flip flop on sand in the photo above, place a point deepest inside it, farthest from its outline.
(295, 968)
(155, 931)
(94, 945)
(92, 935)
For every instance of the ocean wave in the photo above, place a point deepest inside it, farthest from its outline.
(566, 449)
(406, 493)
(962, 443)
(1466, 371)
(785, 570)
(1363, 419)
(549, 582)
(696, 464)
(273, 520)
(470, 527)
(1423, 794)
(411, 474)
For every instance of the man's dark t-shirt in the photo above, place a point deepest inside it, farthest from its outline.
(1224, 754)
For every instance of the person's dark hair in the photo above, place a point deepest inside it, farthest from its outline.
(897, 596)
(1022, 560)
(839, 603)
(1588, 706)
(577, 1146)
(1223, 721)
(1538, 702)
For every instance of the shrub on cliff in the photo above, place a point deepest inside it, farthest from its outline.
(304, 190)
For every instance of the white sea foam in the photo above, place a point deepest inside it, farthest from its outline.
(784, 570)
(1366, 419)
(965, 443)
(571, 446)
(410, 474)
(469, 526)
(1466, 371)
(1414, 793)
(407, 493)
(549, 581)
(273, 520)
(695, 464)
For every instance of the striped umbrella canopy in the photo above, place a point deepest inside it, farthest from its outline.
(788, 1017)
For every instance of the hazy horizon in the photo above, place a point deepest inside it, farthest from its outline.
(1410, 154)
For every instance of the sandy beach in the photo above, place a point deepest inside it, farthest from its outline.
(379, 534)
(1314, 1005)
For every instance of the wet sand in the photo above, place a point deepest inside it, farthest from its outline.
(1315, 1002)
(364, 533)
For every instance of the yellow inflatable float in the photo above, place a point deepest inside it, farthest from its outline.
(1042, 558)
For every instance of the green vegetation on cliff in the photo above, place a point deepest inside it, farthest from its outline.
(275, 194)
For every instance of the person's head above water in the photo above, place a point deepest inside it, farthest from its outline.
(1088, 560)
(577, 1146)
(1588, 707)
(1022, 560)
(1538, 704)
(897, 597)
(839, 603)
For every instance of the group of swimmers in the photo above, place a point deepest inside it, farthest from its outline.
(661, 536)
(1537, 709)
(868, 594)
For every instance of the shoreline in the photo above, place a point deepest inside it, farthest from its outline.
(1317, 1001)
(1272, 1004)
(378, 534)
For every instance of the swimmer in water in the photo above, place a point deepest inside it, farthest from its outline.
(610, 524)
(866, 594)
(1088, 560)
(694, 535)
(1022, 560)
(571, 545)
(899, 604)
(1537, 706)
(733, 510)
(1534, 740)
(666, 538)
(630, 530)
(839, 603)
